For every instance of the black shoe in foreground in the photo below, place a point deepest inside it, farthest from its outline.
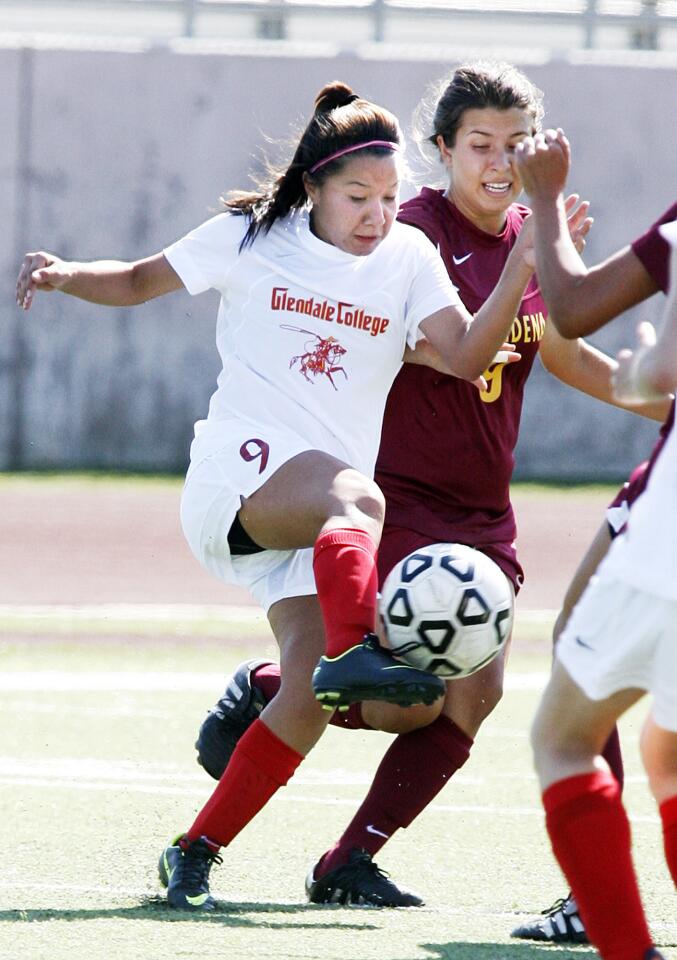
(561, 923)
(184, 870)
(360, 883)
(225, 723)
(368, 672)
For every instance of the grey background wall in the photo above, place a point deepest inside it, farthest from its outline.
(118, 152)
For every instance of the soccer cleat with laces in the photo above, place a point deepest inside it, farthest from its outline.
(359, 883)
(368, 672)
(184, 870)
(229, 718)
(561, 923)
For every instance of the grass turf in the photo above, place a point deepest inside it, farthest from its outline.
(96, 781)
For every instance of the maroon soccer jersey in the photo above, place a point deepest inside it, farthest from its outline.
(654, 251)
(446, 456)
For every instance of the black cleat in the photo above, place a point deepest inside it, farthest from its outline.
(368, 672)
(225, 723)
(561, 923)
(359, 883)
(184, 870)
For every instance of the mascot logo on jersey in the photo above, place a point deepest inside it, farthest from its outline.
(320, 357)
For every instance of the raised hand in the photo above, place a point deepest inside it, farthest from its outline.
(543, 163)
(578, 221)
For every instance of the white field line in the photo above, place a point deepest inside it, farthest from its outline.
(101, 776)
(154, 613)
(62, 681)
(123, 612)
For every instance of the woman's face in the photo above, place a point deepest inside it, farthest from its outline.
(483, 180)
(354, 208)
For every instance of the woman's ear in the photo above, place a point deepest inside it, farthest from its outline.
(445, 151)
(310, 187)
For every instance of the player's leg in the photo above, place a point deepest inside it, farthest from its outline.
(315, 500)
(594, 555)
(587, 824)
(414, 769)
(264, 759)
(604, 663)
(659, 755)
(561, 922)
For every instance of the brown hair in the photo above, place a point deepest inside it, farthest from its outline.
(341, 119)
(475, 85)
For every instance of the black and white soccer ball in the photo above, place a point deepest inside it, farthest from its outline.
(447, 609)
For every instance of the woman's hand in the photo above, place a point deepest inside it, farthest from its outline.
(578, 221)
(427, 356)
(633, 380)
(40, 271)
(543, 164)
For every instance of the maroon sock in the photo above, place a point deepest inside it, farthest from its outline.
(344, 563)
(590, 837)
(415, 768)
(267, 680)
(259, 766)
(613, 756)
(668, 811)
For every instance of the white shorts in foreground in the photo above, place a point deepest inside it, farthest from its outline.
(620, 638)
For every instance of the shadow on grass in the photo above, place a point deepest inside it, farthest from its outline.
(504, 951)
(227, 914)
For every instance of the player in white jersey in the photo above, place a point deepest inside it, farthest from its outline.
(619, 643)
(321, 296)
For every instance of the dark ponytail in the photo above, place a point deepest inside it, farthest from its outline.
(341, 119)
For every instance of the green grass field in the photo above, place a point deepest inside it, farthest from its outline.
(98, 773)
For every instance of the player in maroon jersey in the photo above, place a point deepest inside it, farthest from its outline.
(445, 463)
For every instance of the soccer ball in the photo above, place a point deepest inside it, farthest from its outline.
(447, 609)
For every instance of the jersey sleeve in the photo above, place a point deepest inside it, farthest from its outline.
(204, 256)
(653, 250)
(431, 290)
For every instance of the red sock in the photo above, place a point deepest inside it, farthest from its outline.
(344, 562)
(613, 756)
(415, 768)
(590, 836)
(668, 811)
(267, 680)
(260, 765)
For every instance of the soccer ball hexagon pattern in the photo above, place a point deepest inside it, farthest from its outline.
(446, 608)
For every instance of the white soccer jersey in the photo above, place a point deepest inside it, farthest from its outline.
(645, 556)
(311, 337)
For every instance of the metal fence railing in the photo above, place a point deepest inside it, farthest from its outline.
(643, 19)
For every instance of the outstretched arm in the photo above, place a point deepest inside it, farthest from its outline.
(113, 283)
(580, 300)
(583, 367)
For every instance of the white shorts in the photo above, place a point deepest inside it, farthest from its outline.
(231, 459)
(620, 638)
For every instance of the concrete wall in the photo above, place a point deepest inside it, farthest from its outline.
(117, 153)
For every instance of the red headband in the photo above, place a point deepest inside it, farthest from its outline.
(388, 144)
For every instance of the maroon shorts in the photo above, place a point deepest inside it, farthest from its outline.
(398, 542)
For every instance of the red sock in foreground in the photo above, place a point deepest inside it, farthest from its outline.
(669, 817)
(260, 765)
(590, 837)
(344, 563)
(415, 768)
